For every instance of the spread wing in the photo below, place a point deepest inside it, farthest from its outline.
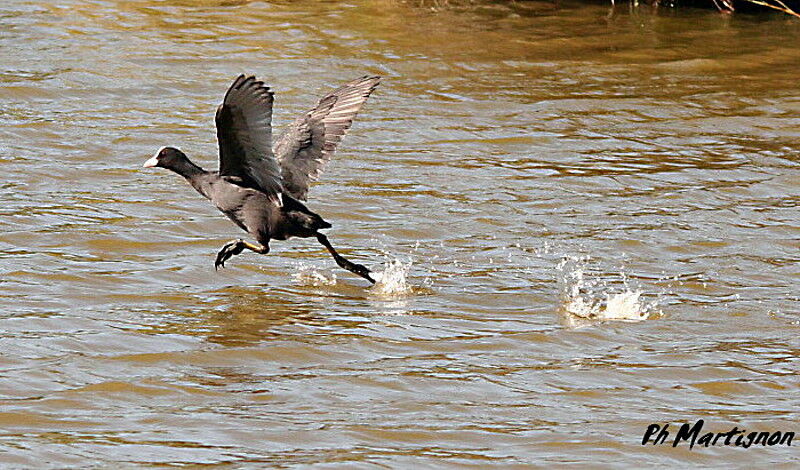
(310, 141)
(244, 131)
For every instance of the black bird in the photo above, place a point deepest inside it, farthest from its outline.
(259, 185)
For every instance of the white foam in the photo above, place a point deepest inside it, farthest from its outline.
(619, 306)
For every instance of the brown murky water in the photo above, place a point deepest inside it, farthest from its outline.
(535, 164)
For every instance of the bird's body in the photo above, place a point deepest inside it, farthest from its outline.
(257, 191)
(255, 212)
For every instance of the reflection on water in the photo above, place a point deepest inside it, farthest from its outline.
(654, 151)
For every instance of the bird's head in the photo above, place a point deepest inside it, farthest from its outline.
(167, 157)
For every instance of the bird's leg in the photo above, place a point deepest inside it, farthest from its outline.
(234, 248)
(343, 263)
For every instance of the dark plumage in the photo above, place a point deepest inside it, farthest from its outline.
(259, 186)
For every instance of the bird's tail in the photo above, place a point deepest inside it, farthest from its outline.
(319, 222)
(302, 216)
(307, 222)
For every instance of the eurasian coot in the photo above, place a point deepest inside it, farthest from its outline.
(259, 186)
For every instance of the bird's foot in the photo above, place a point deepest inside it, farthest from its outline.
(229, 250)
(355, 268)
(363, 271)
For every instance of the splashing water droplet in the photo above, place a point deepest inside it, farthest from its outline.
(582, 297)
(391, 282)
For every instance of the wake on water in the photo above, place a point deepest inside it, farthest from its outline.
(586, 296)
(308, 275)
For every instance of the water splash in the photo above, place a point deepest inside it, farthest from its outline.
(308, 275)
(392, 281)
(591, 298)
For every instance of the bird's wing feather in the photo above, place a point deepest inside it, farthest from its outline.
(244, 131)
(310, 141)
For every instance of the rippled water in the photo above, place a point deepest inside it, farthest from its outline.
(527, 175)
